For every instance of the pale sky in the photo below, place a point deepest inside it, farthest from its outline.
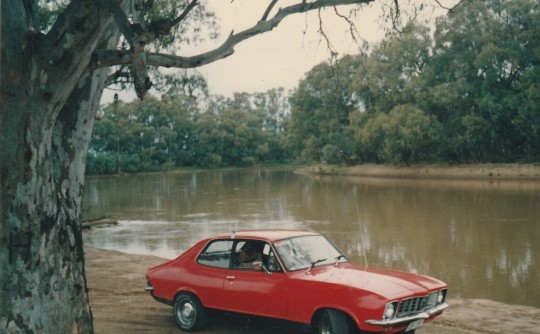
(281, 57)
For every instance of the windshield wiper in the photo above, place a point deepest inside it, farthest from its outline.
(337, 258)
(314, 263)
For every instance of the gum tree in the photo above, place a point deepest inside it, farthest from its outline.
(57, 56)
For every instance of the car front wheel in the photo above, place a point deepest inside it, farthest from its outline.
(189, 313)
(332, 322)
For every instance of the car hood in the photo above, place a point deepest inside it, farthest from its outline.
(387, 283)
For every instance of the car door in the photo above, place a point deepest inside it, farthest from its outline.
(208, 276)
(256, 290)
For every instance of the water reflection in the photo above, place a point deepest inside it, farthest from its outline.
(481, 237)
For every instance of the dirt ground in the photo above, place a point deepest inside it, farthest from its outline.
(120, 305)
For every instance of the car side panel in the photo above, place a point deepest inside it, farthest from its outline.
(207, 284)
(256, 292)
(307, 297)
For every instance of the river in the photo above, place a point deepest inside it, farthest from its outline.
(481, 237)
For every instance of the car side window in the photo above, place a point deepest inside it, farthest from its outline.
(216, 254)
(271, 262)
(248, 255)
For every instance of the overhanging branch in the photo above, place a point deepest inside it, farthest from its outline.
(104, 58)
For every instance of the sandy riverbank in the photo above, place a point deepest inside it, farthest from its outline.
(472, 171)
(120, 305)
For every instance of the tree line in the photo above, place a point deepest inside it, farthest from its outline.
(465, 91)
(178, 131)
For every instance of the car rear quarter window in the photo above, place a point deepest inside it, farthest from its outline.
(216, 254)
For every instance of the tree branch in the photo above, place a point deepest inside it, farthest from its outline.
(121, 20)
(322, 32)
(104, 58)
(352, 28)
(449, 8)
(268, 10)
(138, 39)
(185, 13)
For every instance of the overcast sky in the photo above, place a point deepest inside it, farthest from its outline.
(281, 57)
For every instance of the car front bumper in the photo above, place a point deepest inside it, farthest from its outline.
(397, 321)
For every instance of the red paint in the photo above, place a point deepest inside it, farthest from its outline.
(360, 292)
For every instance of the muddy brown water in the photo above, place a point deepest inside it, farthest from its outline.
(481, 237)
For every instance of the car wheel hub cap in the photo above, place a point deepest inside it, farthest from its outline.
(187, 311)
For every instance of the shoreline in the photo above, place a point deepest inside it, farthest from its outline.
(431, 171)
(119, 304)
(487, 171)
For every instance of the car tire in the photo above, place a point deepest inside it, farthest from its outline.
(188, 312)
(332, 322)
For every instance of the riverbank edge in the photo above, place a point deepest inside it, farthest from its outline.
(431, 171)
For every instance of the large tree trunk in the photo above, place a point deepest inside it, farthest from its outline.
(48, 108)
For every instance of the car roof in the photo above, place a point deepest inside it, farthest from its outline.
(270, 235)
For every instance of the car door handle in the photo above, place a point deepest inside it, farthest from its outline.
(230, 278)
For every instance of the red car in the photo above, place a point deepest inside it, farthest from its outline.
(296, 276)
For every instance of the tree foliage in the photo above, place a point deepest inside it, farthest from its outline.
(157, 135)
(467, 93)
(320, 109)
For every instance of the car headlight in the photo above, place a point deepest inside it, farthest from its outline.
(433, 299)
(389, 311)
(441, 297)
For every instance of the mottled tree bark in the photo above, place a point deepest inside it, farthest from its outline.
(49, 101)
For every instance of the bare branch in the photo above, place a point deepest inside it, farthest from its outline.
(185, 13)
(107, 58)
(115, 77)
(121, 20)
(322, 31)
(352, 26)
(268, 10)
(396, 16)
(449, 8)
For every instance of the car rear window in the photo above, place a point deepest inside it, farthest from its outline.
(216, 254)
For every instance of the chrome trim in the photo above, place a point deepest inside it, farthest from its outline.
(148, 288)
(422, 315)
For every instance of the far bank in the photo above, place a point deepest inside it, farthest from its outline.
(434, 171)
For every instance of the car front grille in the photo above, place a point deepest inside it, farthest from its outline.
(412, 305)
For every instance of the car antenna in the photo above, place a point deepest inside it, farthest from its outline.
(362, 237)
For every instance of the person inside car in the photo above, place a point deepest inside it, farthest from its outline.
(250, 257)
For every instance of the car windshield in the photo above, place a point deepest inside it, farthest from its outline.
(307, 251)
